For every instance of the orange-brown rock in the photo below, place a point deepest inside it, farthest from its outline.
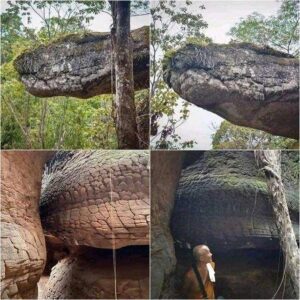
(23, 252)
(90, 275)
(97, 198)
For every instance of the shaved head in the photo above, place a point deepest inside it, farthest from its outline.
(199, 251)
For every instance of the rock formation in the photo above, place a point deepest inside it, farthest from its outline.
(23, 251)
(227, 201)
(97, 198)
(80, 65)
(223, 201)
(90, 200)
(165, 172)
(245, 84)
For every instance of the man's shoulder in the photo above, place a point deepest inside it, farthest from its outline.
(189, 273)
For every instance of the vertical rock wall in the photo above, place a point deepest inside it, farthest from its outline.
(165, 172)
(22, 240)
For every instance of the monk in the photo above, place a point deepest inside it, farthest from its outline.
(205, 266)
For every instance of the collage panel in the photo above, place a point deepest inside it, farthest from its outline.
(149, 149)
(75, 74)
(75, 224)
(228, 217)
(224, 75)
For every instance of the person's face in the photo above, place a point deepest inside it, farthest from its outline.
(206, 255)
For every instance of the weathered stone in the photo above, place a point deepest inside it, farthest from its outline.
(91, 276)
(245, 84)
(23, 252)
(80, 66)
(90, 223)
(163, 190)
(223, 196)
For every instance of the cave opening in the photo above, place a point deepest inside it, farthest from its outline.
(222, 201)
(92, 268)
(240, 273)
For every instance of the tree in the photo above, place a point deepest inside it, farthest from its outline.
(123, 68)
(229, 136)
(173, 24)
(280, 31)
(269, 161)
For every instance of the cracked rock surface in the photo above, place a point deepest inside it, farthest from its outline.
(227, 200)
(97, 198)
(245, 84)
(23, 250)
(80, 66)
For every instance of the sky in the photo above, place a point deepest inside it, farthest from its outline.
(220, 15)
(101, 22)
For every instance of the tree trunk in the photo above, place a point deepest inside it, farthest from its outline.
(269, 160)
(123, 64)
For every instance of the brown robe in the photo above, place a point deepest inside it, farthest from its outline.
(191, 287)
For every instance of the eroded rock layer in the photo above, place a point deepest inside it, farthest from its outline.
(97, 198)
(247, 85)
(222, 200)
(80, 66)
(91, 275)
(23, 251)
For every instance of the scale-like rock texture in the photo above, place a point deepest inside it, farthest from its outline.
(91, 276)
(97, 198)
(23, 251)
(223, 201)
(245, 84)
(227, 202)
(165, 172)
(80, 66)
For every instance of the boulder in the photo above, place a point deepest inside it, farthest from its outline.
(245, 84)
(97, 198)
(80, 65)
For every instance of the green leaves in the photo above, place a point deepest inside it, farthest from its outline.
(229, 136)
(173, 23)
(280, 32)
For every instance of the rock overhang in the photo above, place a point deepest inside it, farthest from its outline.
(80, 65)
(97, 198)
(228, 203)
(251, 86)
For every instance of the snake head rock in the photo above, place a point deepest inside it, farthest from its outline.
(80, 65)
(243, 83)
(97, 198)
